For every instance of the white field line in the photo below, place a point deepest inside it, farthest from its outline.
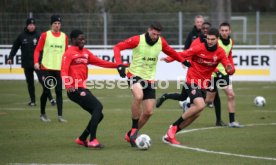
(218, 152)
(45, 164)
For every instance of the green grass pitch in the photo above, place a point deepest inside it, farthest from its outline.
(25, 139)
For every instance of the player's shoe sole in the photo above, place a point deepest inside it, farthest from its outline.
(167, 140)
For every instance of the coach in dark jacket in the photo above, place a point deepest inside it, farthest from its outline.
(196, 31)
(27, 41)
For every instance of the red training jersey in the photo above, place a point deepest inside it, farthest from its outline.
(203, 64)
(133, 42)
(74, 70)
(40, 46)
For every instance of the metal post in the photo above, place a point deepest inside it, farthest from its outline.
(180, 21)
(105, 28)
(30, 14)
(257, 28)
(244, 30)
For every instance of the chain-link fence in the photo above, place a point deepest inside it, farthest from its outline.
(110, 28)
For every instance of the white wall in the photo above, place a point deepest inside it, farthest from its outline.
(251, 65)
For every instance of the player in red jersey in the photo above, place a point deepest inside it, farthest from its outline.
(205, 58)
(181, 96)
(74, 72)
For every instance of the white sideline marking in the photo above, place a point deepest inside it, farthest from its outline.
(218, 152)
(13, 109)
(45, 164)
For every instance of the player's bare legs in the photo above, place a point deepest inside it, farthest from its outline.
(148, 106)
(210, 96)
(187, 122)
(186, 119)
(197, 106)
(137, 93)
(231, 104)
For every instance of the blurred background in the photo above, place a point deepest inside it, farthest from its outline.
(105, 22)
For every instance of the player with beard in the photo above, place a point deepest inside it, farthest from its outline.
(205, 58)
(181, 96)
(141, 73)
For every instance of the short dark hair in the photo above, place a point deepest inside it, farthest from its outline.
(75, 33)
(213, 31)
(156, 26)
(225, 24)
(207, 23)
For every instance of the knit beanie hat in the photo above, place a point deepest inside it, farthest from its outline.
(30, 21)
(55, 18)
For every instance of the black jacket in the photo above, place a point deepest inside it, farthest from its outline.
(191, 36)
(27, 41)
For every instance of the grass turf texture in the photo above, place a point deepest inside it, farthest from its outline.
(25, 139)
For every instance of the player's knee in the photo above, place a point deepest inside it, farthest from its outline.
(201, 107)
(102, 116)
(46, 92)
(231, 96)
(99, 107)
(138, 97)
(148, 113)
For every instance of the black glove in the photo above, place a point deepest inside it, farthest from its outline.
(219, 74)
(122, 70)
(187, 63)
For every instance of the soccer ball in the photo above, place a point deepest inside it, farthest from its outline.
(185, 101)
(181, 104)
(143, 142)
(259, 101)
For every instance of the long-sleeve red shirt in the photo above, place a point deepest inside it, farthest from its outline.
(40, 46)
(74, 70)
(133, 42)
(203, 64)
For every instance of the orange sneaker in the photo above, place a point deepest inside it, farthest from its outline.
(95, 144)
(82, 143)
(168, 140)
(172, 131)
(131, 137)
(127, 137)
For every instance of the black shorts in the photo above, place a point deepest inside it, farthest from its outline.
(149, 90)
(85, 99)
(219, 83)
(193, 91)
